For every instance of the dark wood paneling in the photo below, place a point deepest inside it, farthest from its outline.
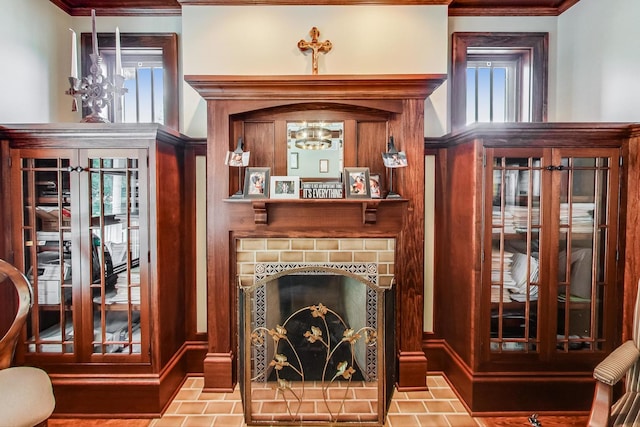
(371, 143)
(457, 301)
(631, 232)
(168, 204)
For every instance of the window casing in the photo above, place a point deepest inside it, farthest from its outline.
(150, 67)
(498, 77)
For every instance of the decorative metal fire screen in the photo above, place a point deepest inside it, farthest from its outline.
(313, 345)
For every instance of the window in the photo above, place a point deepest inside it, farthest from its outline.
(498, 77)
(150, 68)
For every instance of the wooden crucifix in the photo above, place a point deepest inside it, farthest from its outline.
(315, 46)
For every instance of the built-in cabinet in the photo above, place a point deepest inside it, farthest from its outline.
(530, 261)
(550, 236)
(61, 251)
(97, 226)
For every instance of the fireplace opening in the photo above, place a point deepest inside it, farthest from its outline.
(313, 345)
(298, 307)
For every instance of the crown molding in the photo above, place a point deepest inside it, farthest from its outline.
(456, 7)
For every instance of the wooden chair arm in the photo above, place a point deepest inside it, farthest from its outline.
(607, 374)
(8, 343)
(601, 405)
(616, 365)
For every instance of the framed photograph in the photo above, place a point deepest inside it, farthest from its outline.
(395, 160)
(285, 187)
(324, 166)
(237, 159)
(356, 183)
(374, 184)
(293, 160)
(256, 183)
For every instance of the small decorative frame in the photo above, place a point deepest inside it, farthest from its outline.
(285, 187)
(256, 183)
(324, 166)
(356, 183)
(374, 183)
(293, 160)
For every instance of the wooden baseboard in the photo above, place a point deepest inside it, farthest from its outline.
(122, 395)
(511, 393)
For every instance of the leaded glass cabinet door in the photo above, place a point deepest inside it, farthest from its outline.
(552, 245)
(115, 186)
(45, 244)
(586, 224)
(515, 239)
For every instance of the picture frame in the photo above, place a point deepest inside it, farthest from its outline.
(356, 183)
(256, 183)
(285, 187)
(374, 184)
(324, 166)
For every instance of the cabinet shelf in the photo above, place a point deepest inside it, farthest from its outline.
(53, 200)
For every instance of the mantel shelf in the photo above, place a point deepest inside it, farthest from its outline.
(369, 206)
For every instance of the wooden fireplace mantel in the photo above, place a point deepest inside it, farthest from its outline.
(396, 103)
(325, 87)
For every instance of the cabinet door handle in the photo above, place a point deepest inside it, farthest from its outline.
(75, 169)
(555, 168)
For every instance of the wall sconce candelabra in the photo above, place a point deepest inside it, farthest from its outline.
(393, 159)
(95, 91)
(240, 159)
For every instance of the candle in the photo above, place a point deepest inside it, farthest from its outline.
(118, 53)
(74, 55)
(93, 33)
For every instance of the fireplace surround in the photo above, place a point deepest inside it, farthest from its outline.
(256, 108)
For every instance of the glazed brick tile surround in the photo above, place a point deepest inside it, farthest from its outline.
(250, 251)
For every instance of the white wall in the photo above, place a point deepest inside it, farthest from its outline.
(592, 73)
(32, 36)
(35, 47)
(598, 69)
(262, 40)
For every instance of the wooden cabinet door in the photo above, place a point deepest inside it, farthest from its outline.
(584, 236)
(113, 229)
(45, 241)
(550, 245)
(81, 233)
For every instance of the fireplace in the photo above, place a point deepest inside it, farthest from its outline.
(257, 109)
(315, 338)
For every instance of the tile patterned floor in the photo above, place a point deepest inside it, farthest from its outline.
(437, 407)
